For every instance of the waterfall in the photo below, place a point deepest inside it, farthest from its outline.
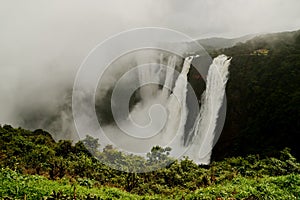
(203, 133)
(177, 111)
(173, 98)
(206, 122)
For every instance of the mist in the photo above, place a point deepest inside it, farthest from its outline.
(43, 43)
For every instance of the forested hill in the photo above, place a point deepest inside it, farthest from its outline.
(263, 96)
(218, 43)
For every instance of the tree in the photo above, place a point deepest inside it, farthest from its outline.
(91, 144)
(39, 158)
(63, 148)
(158, 157)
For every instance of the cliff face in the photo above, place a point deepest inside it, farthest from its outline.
(263, 97)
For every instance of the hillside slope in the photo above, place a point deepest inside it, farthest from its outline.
(263, 96)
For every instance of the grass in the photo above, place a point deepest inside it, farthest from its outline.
(17, 186)
(279, 187)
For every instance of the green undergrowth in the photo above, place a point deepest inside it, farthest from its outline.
(18, 186)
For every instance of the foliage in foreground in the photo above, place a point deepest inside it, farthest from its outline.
(33, 164)
(17, 186)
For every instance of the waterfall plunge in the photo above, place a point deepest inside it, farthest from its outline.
(202, 135)
(206, 122)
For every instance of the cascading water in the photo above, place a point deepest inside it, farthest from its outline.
(206, 122)
(175, 103)
(203, 133)
(177, 111)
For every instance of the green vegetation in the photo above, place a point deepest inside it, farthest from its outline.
(18, 186)
(35, 166)
(250, 161)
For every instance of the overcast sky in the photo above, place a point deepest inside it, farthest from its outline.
(42, 42)
(42, 30)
